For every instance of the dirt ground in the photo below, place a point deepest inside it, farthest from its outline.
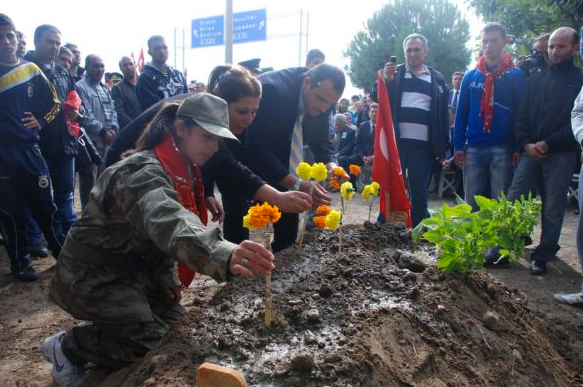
(394, 335)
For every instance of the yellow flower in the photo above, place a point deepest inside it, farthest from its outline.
(323, 210)
(347, 191)
(247, 222)
(354, 169)
(319, 172)
(367, 192)
(333, 220)
(376, 187)
(339, 171)
(304, 171)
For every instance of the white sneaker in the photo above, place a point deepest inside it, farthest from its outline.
(65, 373)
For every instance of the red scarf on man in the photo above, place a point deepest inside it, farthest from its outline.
(487, 106)
(191, 198)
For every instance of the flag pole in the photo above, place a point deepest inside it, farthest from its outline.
(387, 206)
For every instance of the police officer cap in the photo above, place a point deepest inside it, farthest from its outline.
(252, 65)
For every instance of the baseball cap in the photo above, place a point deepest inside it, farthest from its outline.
(210, 113)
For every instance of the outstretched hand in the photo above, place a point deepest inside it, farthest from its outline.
(251, 257)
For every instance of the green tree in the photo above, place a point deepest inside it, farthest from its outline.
(529, 18)
(440, 21)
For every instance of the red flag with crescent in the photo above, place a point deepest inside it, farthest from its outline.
(386, 168)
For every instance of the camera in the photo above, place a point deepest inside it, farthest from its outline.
(393, 59)
(533, 62)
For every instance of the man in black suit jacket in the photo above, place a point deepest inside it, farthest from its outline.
(290, 96)
(364, 148)
(345, 140)
(454, 92)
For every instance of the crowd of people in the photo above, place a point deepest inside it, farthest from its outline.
(149, 150)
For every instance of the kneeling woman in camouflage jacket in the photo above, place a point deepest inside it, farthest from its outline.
(117, 268)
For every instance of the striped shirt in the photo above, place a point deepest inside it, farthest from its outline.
(415, 106)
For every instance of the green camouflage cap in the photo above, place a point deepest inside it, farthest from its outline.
(209, 112)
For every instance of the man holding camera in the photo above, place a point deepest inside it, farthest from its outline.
(543, 131)
(419, 106)
(538, 59)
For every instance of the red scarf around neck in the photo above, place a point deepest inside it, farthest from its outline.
(487, 106)
(190, 197)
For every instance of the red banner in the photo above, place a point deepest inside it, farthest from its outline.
(386, 167)
(141, 62)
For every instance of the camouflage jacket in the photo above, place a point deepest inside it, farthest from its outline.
(134, 215)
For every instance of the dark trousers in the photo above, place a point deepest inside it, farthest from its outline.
(62, 170)
(553, 176)
(416, 164)
(118, 345)
(25, 183)
(87, 178)
(285, 231)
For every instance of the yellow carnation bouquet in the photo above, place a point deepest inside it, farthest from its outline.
(305, 171)
(368, 192)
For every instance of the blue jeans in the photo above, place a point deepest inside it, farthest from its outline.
(552, 176)
(487, 172)
(62, 169)
(416, 164)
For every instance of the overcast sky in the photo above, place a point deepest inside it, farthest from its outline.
(116, 28)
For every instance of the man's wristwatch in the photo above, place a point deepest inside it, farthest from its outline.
(297, 184)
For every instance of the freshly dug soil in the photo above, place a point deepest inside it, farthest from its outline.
(377, 314)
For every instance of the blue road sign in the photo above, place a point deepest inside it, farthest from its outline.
(249, 26)
(208, 32)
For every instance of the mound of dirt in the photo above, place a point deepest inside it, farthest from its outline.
(377, 314)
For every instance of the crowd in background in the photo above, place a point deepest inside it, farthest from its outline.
(502, 127)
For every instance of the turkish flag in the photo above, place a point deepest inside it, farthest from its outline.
(386, 167)
(141, 61)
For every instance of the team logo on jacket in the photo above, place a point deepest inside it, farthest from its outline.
(30, 90)
(43, 181)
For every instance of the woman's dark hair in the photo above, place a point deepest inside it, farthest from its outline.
(231, 82)
(163, 123)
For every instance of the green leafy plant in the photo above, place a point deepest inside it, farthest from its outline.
(462, 236)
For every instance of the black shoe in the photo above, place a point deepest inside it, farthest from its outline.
(492, 258)
(38, 250)
(538, 267)
(27, 275)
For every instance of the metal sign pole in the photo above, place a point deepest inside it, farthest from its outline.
(229, 32)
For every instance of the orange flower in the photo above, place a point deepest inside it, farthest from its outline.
(339, 171)
(319, 221)
(334, 184)
(323, 210)
(261, 215)
(354, 170)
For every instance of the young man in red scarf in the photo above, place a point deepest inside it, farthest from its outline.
(484, 124)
